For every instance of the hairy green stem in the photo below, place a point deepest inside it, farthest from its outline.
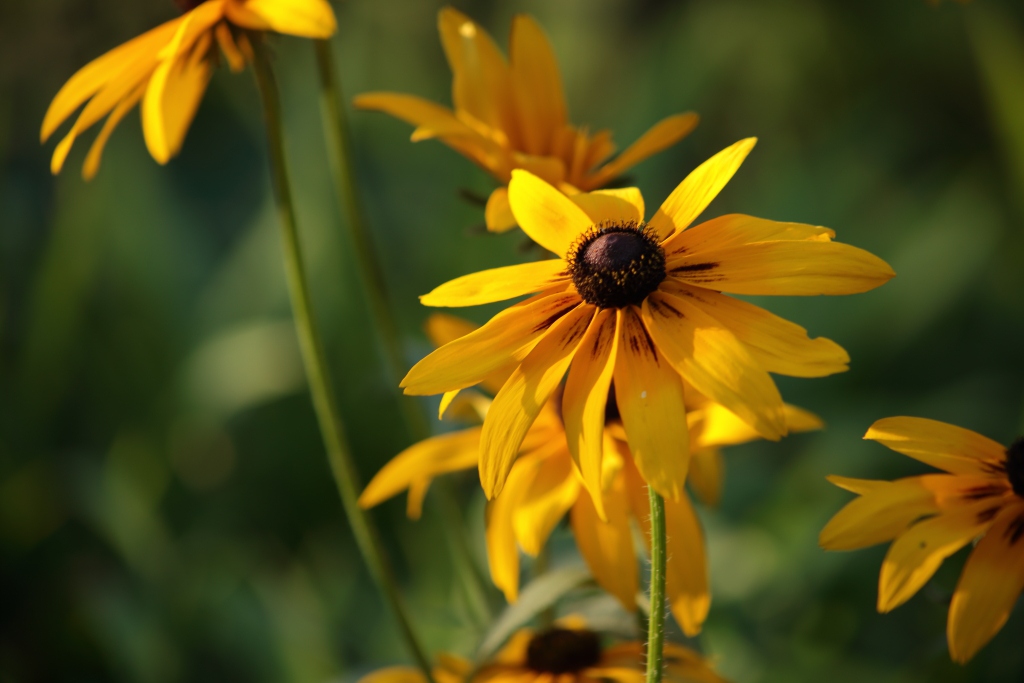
(314, 359)
(656, 622)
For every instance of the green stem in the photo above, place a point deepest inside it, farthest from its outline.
(656, 623)
(314, 359)
(339, 142)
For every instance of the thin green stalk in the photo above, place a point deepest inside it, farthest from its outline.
(339, 142)
(656, 623)
(314, 359)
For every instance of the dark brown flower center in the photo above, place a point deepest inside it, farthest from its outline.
(188, 5)
(563, 651)
(1015, 466)
(617, 264)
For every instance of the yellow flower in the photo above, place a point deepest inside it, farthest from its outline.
(930, 517)
(512, 114)
(543, 487)
(641, 305)
(168, 69)
(566, 653)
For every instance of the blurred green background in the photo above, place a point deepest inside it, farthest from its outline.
(166, 512)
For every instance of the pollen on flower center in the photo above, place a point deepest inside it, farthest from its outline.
(1015, 466)
(616, 264)
(563, 651)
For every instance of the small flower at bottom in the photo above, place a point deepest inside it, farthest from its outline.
(932, 516)
(641, 306)
(567, 653)
(168, 69)
(512, 114)
(544, 486)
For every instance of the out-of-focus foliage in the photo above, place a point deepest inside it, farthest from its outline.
(166, 512)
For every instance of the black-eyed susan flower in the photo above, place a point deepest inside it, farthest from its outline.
(511, 114)
(168, 68)
(930, 517)
(543, 487)
(641, 306)
(567, 653)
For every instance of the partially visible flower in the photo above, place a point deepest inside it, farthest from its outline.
(566, 653)
(168, 69)
(932, 516)
(544, 486)
(641, 306)
(512, 114)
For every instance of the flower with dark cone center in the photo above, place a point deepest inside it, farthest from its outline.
(1015, 466)
(563, 651)
(617, 264)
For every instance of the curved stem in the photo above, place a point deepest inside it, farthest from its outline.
(324, 402)
(656, 623)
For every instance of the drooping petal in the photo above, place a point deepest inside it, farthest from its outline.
(518, 403)
(880, 514)
(918, 552)
(537, 84)
(784, 268)
(229, 48)
(498, 212)
(497, 284)
(551, 493)
(424, 460)
(470, 359)
(583, 403)
(620, 204)
(737, 229)
(550, 218)
(649, 394)
(939, 444)
(777, 344)
(303, 18)
(686, 574)
(607, 546)
(661, 136)
(989, 586)
(711, 359)
(502, 550)
(95, 155)
(707, 470)
(692, 196)
(171, 101)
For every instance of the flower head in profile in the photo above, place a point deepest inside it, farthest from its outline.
(979, 495)
(168, 68)
(543, 487)
(568, 652)
(511, 114)
(641, 306)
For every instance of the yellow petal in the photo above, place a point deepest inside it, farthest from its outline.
(711, 359)
(649, 394)
(303, 18)
(938, 444)
(497, 284)
(686, 574)
(518, 403)
(880, 514)
(470, 359)
(989, 586)
(918, 552)
(607, 546)
(172, 98)
(502, 551)
(697, 190)
(234, 55)
(662, 135)
(537, 85)
(550, 218)
(858, 486)
(784, 268)
(442, 328)
(621, 204)
(498, 212)
(777, 344)
(424, 460)
(737, 229)
(92, 159)
(551, 493)
(394, 674)
(707, 470)
(583, 403)
(715, 425)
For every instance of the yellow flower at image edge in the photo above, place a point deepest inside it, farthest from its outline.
(511, 114)
(168, 69)
(567, 653)
(641, 305)
(930, 517)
